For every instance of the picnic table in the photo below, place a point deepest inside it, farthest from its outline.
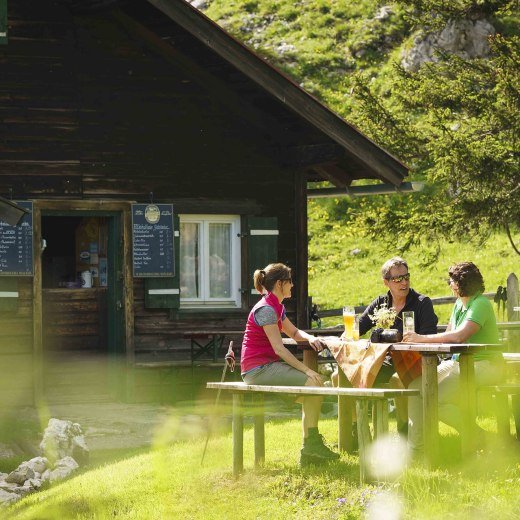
(429, 390)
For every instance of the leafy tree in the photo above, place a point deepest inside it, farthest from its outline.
(456, 122)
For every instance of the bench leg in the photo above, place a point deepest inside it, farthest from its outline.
(363, 437)
(502, 413)
(345, 408)
(380, 418)
(259, 428)
(515, 403)
(238, 434)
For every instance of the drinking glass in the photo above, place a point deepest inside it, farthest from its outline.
(348, 320)
(355, 327)
(408, 321)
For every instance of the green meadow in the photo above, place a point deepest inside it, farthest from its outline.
(169, 481)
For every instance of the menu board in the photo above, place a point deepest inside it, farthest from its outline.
(16, 245)
(152, 238)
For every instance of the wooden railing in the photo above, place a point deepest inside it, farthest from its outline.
(512, 303)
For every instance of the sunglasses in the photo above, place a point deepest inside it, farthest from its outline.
(399, 279)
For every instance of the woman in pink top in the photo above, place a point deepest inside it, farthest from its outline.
(265, 360)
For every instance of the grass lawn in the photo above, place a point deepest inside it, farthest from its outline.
(169, 482)
(337, 277)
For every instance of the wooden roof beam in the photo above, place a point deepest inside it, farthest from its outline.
(334, 174)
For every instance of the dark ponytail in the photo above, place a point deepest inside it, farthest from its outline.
(266, 278)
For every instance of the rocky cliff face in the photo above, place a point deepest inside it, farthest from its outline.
(465, 38)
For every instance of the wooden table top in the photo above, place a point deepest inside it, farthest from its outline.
(434, 348)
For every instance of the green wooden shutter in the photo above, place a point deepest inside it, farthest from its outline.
(262, 249)
(164, 293)
(3, 22)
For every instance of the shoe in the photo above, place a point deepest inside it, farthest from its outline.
(315, 451)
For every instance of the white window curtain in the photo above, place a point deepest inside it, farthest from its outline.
(210, 260)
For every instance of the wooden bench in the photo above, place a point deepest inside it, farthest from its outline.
(362, 396)
(501, 394)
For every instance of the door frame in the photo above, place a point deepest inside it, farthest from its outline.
(82, 207)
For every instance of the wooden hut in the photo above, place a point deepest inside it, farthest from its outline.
(117, 111)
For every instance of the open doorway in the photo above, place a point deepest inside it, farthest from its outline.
(79, 293)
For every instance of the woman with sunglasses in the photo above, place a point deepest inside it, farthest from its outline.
(265, 360)
(472, 321)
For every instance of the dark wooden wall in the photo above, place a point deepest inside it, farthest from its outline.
(92, 107)
(16, 346)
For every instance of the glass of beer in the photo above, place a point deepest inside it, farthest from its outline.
(355, 327)
(408, 321)
(348, 321)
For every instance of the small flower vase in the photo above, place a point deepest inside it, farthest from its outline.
(386, 336)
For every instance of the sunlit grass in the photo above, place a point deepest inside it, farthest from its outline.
(337, 277)
(169, 482)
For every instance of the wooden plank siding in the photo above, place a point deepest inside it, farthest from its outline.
(16, 347)
(100, 109)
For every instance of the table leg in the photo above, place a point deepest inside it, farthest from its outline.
(430, 408)
(310, 359)
(345, 409)
(238, 434)
(259, 429)
(468, 403)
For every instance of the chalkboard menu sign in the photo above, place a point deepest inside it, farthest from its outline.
(152, 229)
(16, 245)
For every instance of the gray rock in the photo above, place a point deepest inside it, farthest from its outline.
(8, 486)
(80, 451)
(3, 475)
(38, 464)
(199, 4)
(7, 498)
(465, 38)
(62, 439)
(283, 48)
(20, 474)
(383, 12)
(46, 475)
(64, 467)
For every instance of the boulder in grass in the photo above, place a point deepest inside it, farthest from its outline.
(38, 464)
(7, 498)
(63, 468)
(20, 474)
(64, 439)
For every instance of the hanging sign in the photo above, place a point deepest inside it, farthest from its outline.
(152, 239)
(16, 245)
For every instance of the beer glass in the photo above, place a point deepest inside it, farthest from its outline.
(408, 321)
(348, 321)
(355, 327)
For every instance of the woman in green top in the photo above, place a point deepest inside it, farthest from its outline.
(472, 321)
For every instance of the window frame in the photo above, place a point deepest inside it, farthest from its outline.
(204, 221)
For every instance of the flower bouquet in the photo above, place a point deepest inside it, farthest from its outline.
(383, 318)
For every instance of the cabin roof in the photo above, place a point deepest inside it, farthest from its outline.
(332, 149)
